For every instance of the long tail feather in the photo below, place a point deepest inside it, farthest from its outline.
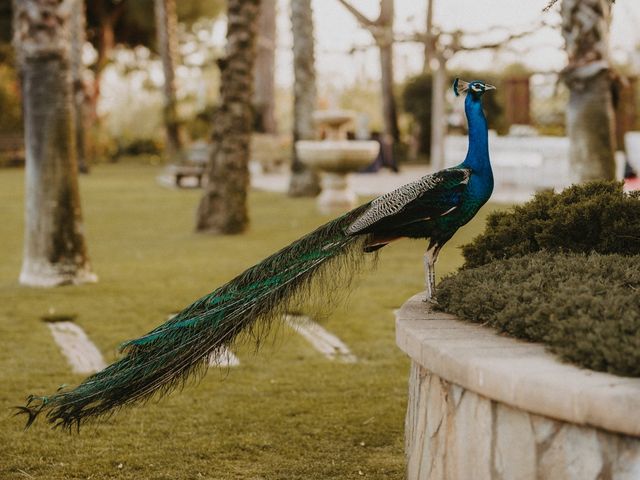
(166, 357)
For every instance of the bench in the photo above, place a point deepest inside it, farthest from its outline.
(179, 172)
(197, 157)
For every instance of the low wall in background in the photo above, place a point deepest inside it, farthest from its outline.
(532, 162)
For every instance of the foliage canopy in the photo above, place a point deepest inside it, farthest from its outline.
(134, 22)
(595, 217)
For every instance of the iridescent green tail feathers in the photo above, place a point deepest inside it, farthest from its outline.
(165, 358)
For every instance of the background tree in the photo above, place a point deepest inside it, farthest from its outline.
(264, 96)
(439, 47)
(102, 17)
(304, 181)
(223, 206)
(588, 75)
(127, 22)
(166, 31)
(382, 31)
(78, 27)
(55, 252)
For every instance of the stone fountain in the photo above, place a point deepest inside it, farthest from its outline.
(335, 157)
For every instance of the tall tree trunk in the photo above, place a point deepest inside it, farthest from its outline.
(429, 43)
(78, 38)
(166, 29)
(383, 35)
(265, 69)
(304, 181)
(438, 113)
(55, 252)
(223, 207)
(590, 118)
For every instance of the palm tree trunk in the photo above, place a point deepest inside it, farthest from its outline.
(590, 117)
(264, 91)
(223, 206)
(304, 181)
(166, 26)
(55, 252)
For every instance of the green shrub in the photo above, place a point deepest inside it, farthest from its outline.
(595, 217)
(586, 308)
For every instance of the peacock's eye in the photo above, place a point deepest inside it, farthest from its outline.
(476, 88)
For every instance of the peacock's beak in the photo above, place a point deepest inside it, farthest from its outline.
(489, 87)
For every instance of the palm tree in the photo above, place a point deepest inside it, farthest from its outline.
(304, 182)
(55, 252)
(166, 25)
(223, 206)
(590, 116)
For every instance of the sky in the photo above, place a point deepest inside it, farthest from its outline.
(336, 32)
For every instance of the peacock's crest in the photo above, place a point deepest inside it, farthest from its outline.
(477, 87)
(460, 86)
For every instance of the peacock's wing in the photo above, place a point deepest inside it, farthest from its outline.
(431, 196)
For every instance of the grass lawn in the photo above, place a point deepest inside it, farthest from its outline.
(285, 413)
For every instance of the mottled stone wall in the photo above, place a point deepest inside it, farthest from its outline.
(456, 434)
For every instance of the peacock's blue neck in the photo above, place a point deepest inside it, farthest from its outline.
(478, 154)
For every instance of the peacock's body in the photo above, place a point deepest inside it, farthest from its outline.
(437, 205)
(432, 208)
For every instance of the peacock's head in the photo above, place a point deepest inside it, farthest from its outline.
(475, 88)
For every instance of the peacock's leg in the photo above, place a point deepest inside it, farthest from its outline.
(430, 258)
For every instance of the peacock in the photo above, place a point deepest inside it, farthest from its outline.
(432, 208)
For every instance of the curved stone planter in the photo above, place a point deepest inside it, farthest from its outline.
(484, 406)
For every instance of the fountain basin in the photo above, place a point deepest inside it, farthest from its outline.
(335, 159)
(337, 156)
(333, 119)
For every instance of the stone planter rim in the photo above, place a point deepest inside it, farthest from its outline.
(520, 374)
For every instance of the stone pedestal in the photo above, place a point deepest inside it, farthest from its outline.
(484, 406)
(336, 193)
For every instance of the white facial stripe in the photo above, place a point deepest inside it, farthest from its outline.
(476, 88)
